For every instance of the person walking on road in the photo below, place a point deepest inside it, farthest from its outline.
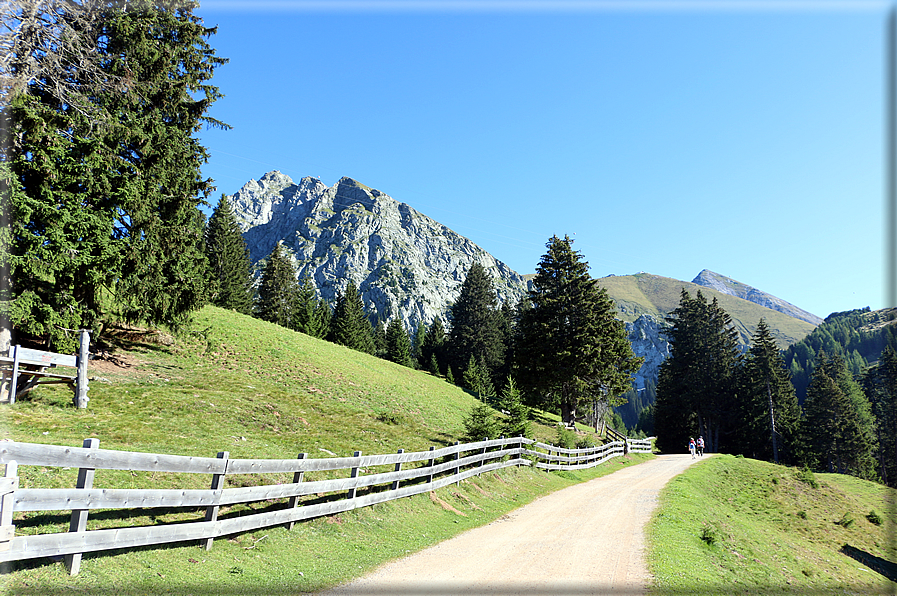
(691, 447)
(700, 446)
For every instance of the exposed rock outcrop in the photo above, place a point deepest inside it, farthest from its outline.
(404, 263)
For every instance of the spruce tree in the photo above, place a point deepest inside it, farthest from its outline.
(696, 383)
(517, 422)
(105, 204)
(431, 351)
(570, 348)
(278, 289)
(768, 411)
(311, 315)
(837, 427)
(350, 327)
(475, 325)
(398, 346)
(230, 277)
(880, 386)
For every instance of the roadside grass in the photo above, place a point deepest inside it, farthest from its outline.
(232, 383)
(730, 525)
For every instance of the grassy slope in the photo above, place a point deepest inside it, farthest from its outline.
(233, 383)
(766, 531)
(655, 295)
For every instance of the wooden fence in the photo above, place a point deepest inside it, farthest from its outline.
(431, 470)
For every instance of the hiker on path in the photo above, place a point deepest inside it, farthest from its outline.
(700, 446)
(691, 447)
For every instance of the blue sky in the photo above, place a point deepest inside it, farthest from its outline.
(667, 137)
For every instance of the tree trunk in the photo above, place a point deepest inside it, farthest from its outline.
(772, 426)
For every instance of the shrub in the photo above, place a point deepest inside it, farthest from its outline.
(481, 423)
(709, 534)
(802, 514)
(846, 520)
(566, 438)
(874, 518)
(807, 477)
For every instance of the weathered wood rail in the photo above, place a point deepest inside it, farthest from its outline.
(435, 468)
(39, 367)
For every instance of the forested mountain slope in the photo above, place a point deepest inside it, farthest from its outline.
(858, 336)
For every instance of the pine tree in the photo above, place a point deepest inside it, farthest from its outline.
(477, 381)
(837, 427)
(105, 208)
(768, 410)
(350, 327)
(696, 383)
(570, 348)
(311, 316)
(475, 325)
(398, 346)
(230, 278)
(278, 289)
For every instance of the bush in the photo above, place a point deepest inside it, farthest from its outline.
(584, 442)
(802, 514)
(846, 520)
(807, 477)
(566, 438)
(709, 534)
(874, 518)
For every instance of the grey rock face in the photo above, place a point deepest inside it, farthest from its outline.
(647, 342)
(726, 285)
(404, 264)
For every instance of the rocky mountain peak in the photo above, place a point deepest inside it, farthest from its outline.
(726, 285)
(405, 264)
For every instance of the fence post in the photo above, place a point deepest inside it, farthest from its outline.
(353, 490)
(7, 498)
(79, 516)
(395, 483)
(457, 468)
(294, 500)
(217, 484)
(81, 398)
(15, 374)
(431, 463)
(482, 461)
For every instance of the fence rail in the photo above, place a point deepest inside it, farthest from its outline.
(435, 468)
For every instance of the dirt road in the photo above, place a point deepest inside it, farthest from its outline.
(586, 539)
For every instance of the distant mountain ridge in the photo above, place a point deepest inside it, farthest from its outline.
(727, 285)
(409, 266)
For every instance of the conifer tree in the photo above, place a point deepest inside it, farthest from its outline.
(398, 346)
(880, 386)
(768, 410)
(517, 422)
(105, 201)
(350, 327)
(278, 289)
(475, 325)
(696, 383)
(311, 315)
(476, 380)
(230, 278)
(837, 425)
(380, 342)
(431, 350)
(570, 348)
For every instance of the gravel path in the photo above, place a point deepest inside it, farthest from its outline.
(586, 539)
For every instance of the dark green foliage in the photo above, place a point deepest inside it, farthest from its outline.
(696, 383)
(278, 290)
(104, 212)
(768, 414)
(565, 437)
(432, 352)
(481, 423)
(646, 421)
(636, 401)
(419, 335)
(570, 350)
(517, 422)
(311, 316)
(398, 346)
(806, 476)
(880, 386)
(857, 336)
(476, 329)
(230, 277)
(350, 327)
(837, 427)
(380, 343)
(874, 518)
(477, 381)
